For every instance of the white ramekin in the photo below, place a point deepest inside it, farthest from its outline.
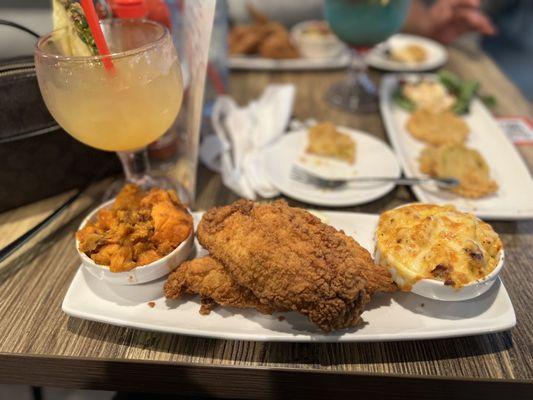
(311, 46)
(436, 289)
(140, 274)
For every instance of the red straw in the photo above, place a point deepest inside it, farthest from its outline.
(99, 39)
(216, 79)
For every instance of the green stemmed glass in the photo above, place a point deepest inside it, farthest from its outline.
(361, 24)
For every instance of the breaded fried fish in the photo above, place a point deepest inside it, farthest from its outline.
(290, 260)
(207, 277)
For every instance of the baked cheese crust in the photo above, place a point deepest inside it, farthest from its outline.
(425, 241)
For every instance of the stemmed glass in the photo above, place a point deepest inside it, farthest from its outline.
(122, 109)
(361, 24)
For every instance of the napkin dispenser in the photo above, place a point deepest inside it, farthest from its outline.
(38, 158)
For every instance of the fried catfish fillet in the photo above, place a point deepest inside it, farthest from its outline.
(208, 278)
(290, 260)
(267, 38)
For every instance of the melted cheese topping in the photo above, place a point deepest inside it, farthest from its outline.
(425, 241)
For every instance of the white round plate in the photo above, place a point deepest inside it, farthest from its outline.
(437, 55)
(294, 64)
(373, 157)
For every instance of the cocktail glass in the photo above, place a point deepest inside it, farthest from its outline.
(361, 24)
(123, 108)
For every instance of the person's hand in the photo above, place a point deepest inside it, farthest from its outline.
(446, 20)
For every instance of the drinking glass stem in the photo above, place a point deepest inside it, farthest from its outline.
(357, 73)
(136, 166)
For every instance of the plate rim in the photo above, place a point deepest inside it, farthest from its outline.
(255, 63)
(508, 323)
(389, 187)
(406, 67)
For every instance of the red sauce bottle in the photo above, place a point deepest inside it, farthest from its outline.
(154, 10)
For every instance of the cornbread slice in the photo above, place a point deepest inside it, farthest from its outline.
(437, 128)
(326, 141)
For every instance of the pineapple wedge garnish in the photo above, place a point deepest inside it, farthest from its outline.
(71, 32)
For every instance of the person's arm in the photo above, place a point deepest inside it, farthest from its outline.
(446, 20)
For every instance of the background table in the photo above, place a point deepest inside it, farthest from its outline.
(39, 345)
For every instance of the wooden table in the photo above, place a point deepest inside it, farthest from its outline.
(39, 345)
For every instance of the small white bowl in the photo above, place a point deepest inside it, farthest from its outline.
(140, 274)
(316, 46)
(437, 290)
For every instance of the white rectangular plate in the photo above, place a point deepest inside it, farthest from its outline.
(298, 64)
(513, 199)
(401, 316)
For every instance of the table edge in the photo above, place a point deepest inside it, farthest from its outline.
(237, 382)
(7, 358)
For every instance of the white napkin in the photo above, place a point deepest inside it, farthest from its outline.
(241, 135)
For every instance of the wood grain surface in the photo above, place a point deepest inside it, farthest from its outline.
(40, 344)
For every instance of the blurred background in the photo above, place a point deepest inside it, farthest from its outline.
(511, 46)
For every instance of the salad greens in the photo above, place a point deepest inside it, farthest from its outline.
(402, 101)
(464, 91)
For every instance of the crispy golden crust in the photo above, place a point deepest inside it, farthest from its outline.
(426, 160)
(277, 44)
(429, 241)
(291, 260)
(245, 39)
(466, 165)
(267, 38)
(437, 128)
(207, 277)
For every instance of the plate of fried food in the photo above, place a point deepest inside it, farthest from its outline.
(327, 151)
(439, 126)
(271, 272)
(407, 53)
(268, 45)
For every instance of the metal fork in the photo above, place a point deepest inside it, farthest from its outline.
(304, 176)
